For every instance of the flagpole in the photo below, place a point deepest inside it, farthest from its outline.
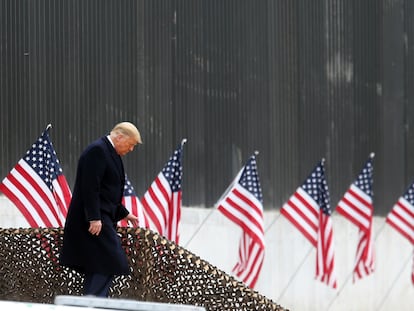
(183, 141)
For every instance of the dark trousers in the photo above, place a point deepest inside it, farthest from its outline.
(96, 284)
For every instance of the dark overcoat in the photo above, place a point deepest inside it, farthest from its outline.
(97, 194)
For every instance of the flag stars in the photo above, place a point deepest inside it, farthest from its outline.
(128, 188)
(364, 180)
(316, 186)
(250, 179)
(173, 170)
(409, 194)
(43, 160)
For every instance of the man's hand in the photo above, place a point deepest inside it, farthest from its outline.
(132, 219)
(95, 227)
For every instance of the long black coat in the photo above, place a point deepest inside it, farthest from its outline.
(97, 195)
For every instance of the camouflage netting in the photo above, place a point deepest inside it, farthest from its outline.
(161, 271)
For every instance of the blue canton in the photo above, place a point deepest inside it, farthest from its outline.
(43, 160)
(173, 170)
(128, 189)
(250, 179)
(364, 180)
(409, 194)
(315, 185)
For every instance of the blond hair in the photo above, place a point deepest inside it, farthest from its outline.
(127, 129)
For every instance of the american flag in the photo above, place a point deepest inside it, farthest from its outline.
(162, 201)
(132, 203)
(37, 186)
(308, 209)
(401, 217)
(242, 203)
(357, 206)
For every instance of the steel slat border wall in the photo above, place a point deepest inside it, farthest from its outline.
(296, 80)
(408, 13)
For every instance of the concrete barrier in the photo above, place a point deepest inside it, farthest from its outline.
(30, 306)
(121, 304)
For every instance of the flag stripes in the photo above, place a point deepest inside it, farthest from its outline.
(325, 261)
(37, 186)
(175, 216)
(245, 210)
(242, 204)
(356, 205)
(308, 209)
(251, 257)
(365, 256)
(62, 194)
(162, 201)
(401, 218)
(156, 204)
(303, 212)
